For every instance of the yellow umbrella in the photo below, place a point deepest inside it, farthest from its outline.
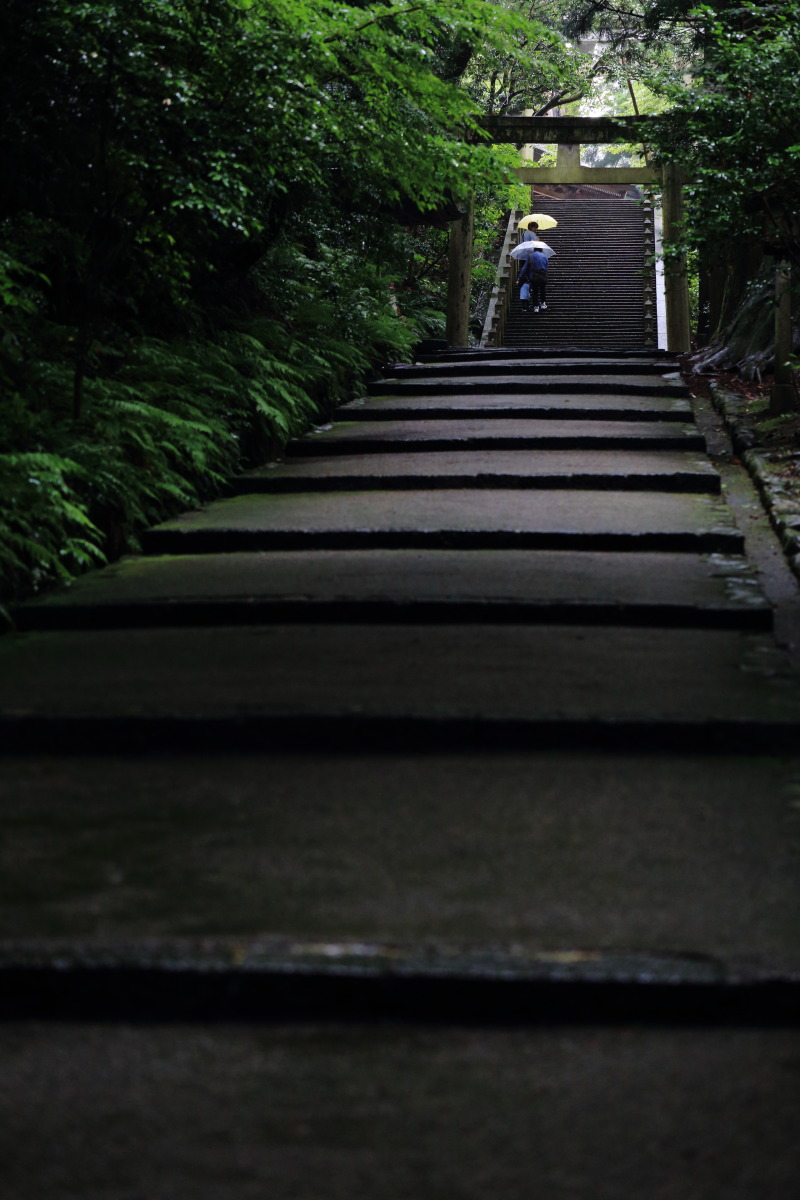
(541, 219)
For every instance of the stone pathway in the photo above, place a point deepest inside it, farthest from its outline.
(419, 821)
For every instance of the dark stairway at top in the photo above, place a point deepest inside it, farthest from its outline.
(596, 283)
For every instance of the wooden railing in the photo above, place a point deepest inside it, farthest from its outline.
(500, 300)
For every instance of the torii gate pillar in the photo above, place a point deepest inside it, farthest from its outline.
(459, 277)
(676, 286)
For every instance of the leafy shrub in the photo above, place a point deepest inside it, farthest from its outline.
(163, 428)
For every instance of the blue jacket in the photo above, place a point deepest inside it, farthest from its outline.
(538, 261)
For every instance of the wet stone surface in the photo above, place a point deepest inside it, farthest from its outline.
(656, 678)
(402, 577)
(647, 854)
(240, 1112)
(663, 470)
(577, 406)
(378, 830)
(486, 434)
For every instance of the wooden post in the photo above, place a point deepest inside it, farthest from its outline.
(676, 284)
(782, 396)
(459, 277)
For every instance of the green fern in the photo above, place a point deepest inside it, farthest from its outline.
(165, 423)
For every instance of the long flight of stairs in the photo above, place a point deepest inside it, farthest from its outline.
(596, 287)
(419, 822)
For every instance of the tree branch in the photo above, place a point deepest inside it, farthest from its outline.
(393, 12)
(558, 99)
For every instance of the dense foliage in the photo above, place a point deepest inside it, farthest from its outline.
(725, 75)
(735, 133)
(219, 216)
(735, 130)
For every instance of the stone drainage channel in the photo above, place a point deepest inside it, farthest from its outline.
(419, 820)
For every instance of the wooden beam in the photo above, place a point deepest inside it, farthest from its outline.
(589, 175)
(583, 131)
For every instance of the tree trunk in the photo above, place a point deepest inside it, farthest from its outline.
(747, 342)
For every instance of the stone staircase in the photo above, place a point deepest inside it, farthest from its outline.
(417, 822)
(600, 294)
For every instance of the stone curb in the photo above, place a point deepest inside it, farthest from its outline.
(782, 508)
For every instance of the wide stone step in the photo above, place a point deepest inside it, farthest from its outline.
(566, 304)
(567, 301)
(669, 471)
(561, 316)
(612, 292)
(566, 307)
(576, 325)
(410, 586)
(571, 327)
(474, 356)
(598, 259)
(496, 363)
(468, 384)
(537, 866)
(454, 518)
(566, 320)
(545, 337)
(569, 333)
(611, 288)
(371, 437)
(568, 406)
(565, 310)
(270, 687)
(315, 1109)
(595, 271)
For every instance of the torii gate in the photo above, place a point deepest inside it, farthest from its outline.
(569, 134)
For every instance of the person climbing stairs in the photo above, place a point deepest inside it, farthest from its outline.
(601, 281)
